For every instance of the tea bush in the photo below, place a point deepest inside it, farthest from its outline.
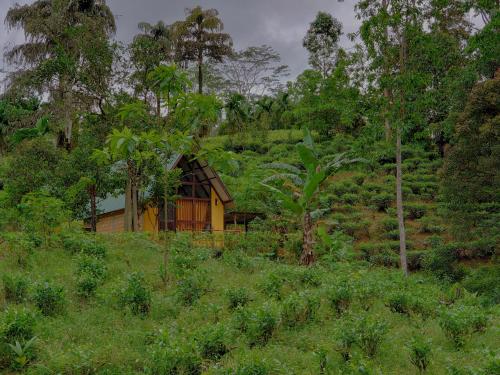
(135, 295)
(382, 201)
(16, 326)
(484, 281)
(190, 288)
(299, 308)
(346, 338)
(389, 224)
(414, 210)
(460, 321)
(86, 285)
(15, 288)
(76, 243)
(370, 334)
(212, 342)
(174, 357)
(340, 297)
(49, 298)
(271, 286)
(420, 353)
(90, 265)
(262, 324)
(237, 297)
(400, 302)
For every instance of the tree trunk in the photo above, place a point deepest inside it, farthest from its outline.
(307, 257)
(200, 73)
(68, 118)
(135, 208)
(399, 205)
(399, 173)
(93, 208)
(128, 206)
(387, 125)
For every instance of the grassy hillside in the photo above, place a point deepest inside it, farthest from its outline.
(230, 312)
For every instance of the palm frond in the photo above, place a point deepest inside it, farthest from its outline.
(283, 166)
(285, 176)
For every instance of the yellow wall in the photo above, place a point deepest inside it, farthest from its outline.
(217, 210)
(149, 220)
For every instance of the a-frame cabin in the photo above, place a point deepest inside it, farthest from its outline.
(200, 206)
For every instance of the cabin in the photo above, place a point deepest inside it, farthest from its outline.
(202, 199)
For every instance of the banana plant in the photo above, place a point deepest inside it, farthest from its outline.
(300, 185)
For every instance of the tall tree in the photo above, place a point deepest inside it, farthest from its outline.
(390, 29)
(321, 41)
(199, 36)
(149, 49)
(57, 56)
(252, 72)
(470, 177)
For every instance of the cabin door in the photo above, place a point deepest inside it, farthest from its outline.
(192, 214)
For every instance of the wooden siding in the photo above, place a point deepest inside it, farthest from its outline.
(112, 222)
(150, 220)
(217, 212)
(192, 214)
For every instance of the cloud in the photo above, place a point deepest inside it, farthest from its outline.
(279, 23)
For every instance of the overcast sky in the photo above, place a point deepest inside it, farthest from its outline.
(279, 23)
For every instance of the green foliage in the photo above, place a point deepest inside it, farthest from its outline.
(460, 321)
(212, 342)
(49, 298)
(17, 328)
(484, 281)
(79, 244)
(191, 288)
(420, 353)
(172, 357)
(261, 325)
(340, 297)
(41, 213)
(299, 308)
(371, 332)
(15, 288)
(237, 297)
(346, 338)
(415, 211)
(382, 201)
(135, 295)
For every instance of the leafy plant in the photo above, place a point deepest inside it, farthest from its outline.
(15, 288)
(262, 325)
(299, 308)
(212, 342)
(420, 353)
(237, 297)
(136, 295)
(460, 321)
(190, 288)
(340, 297)
(305, 183)
(23, 353)
(370, 332)
(49, 298)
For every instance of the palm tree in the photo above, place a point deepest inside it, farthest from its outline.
(200, 35)
(300, 187)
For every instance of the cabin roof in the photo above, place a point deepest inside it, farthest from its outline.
(117, 202)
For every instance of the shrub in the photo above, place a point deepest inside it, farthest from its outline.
(49, 298)
(16, 326)
(442, 261)
(420, 353)
(191, 288)
(340, 297)
(172, 358)
(90, 265)
(382, 201)
(388, 224)
(299, 308)
(370, 334)
(237, 297)
(86, 285)
(212, 342)
(346, 337)
(311, 276)
(484, 281)
(82, 244)
(262, 325)
(349, 198)
(400, 302)
(15, 288)
(414, 210)
(359, 178)
(252, 367)
(460, 321)
(271, 285)
(135, 295)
